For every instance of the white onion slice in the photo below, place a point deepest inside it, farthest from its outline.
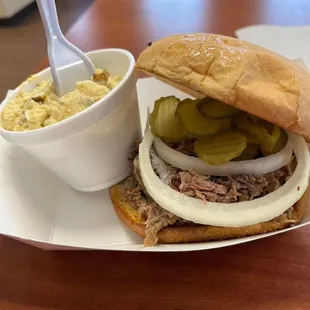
(253, 166)
(228, 215)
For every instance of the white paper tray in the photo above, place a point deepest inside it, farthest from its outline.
(38, 208)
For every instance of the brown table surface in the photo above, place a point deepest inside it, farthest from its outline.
(267, 274)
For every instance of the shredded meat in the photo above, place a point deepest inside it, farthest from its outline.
(185, 147)
(137, 175)
(229, 189)
(207, 188)
(156, 218)
(134, 193)
(133, 152)
(194, 181)
(164, 172)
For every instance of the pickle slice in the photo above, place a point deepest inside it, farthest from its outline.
(250, 152)
(274, 142)
(252, 149)
(251, 139)
(246, 123)
(163, 121)
(215, 109)
(271, 137)
(221, 148)
(195, 124)
(275, 139)
(152, 118)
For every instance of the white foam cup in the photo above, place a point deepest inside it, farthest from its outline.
(88, 150)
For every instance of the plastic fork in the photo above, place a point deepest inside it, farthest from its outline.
(68, 64)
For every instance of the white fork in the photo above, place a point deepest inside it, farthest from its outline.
(68, 64)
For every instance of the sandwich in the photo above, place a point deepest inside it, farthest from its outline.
(229, 161)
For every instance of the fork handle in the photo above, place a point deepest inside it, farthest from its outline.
(60, 51)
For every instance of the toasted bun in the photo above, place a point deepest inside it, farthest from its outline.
(127, 213)
(236, 72)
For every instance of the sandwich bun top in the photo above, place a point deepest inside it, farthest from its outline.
(238, 73)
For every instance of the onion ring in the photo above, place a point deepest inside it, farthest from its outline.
(227, 215)
(261, 165)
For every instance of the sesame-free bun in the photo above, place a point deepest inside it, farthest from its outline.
(241, 74)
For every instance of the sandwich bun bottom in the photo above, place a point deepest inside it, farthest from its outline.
(187, 233)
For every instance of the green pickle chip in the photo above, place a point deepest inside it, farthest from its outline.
(163, 121)
(220, 148)
(251, 139)
(274, 142)
(248, 124)
(250, 152)
(215, 109)
(224, 133)
(271, 137)
(195, 124)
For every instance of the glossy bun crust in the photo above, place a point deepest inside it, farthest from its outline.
(239, 73)
(127, 214)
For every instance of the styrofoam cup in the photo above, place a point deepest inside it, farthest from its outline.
(89, 150)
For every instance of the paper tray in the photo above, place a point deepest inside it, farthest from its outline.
(38, 208)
